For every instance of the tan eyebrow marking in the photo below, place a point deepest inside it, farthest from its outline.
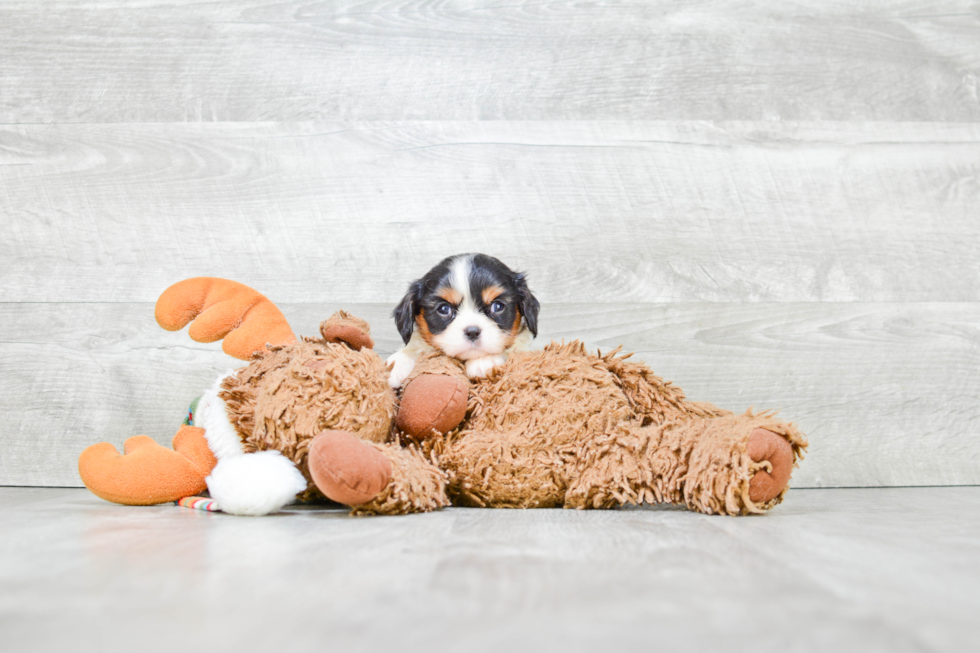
(491, 293)
(451, 295)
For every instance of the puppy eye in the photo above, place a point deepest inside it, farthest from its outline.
(444, 310)
(496, 307)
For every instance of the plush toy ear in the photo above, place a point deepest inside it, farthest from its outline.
(529, 304)
(406, 311)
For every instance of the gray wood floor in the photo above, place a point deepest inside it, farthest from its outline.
(889, 570)
(775, 204)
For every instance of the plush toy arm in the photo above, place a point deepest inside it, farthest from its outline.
(432, 404)
(244, 318)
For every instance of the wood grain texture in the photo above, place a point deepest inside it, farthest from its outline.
(594, 211)
(875, 571)
(886, 392)
(248, 60)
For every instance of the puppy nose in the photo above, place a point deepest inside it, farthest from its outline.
(472, 332)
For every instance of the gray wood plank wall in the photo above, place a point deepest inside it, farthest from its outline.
(775, 204)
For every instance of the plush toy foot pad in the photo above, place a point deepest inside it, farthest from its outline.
(766, 445)
(432, 402)
(346, 469)
(147, 474)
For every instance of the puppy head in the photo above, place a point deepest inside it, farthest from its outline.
(468, 306)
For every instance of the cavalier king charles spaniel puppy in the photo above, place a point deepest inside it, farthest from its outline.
(471, 307)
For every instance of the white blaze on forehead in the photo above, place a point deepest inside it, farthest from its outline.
(459, 278)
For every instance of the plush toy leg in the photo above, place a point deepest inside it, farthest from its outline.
(732, 464)
(346, 469)
(147, 473)
(244, 318)
(432, 404)
(375, 478)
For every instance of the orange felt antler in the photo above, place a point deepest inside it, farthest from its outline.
(147, 473)
(246, 319)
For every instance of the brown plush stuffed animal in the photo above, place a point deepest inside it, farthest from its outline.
(560, 427)
(251, 452)
(563, 427)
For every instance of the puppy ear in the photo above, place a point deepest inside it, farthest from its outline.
(406, 311)
(529, 304)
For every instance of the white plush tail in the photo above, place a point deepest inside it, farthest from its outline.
(255, 483)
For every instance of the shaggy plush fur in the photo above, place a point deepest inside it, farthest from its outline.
(564, 427)
(560, 427)
(417, 484)
(289, 394)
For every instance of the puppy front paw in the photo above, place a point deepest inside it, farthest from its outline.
(401, 366)
(480, 367)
